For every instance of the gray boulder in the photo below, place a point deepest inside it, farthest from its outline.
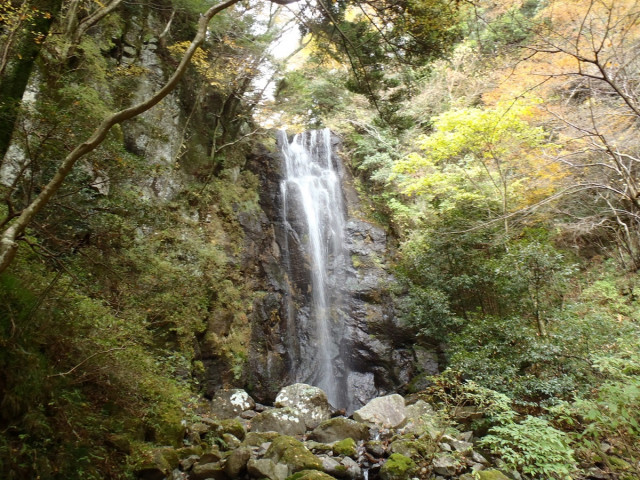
(388, 411)
(310, 401)
(287, 421)
(229, 403)
(265, 468)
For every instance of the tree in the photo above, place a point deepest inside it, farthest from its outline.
(15, 226)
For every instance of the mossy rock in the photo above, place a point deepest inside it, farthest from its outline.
(231, 426)
(318, 446)
(310, 475)
(346, 447)
(491, 474)
(293, 453)
(158, 462)
(410, 447)
(397, 467)
(255, 439)
(185, 452)
(619, 463)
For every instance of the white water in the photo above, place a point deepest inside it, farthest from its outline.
(312, 190)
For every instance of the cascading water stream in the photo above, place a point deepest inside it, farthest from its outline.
(313, 212)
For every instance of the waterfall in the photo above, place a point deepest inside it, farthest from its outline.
(314, 221)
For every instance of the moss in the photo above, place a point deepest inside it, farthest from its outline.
(310, 475)
(255, 439)
(221, 427)
(619, 463)
(346, 447)
(492, 475)
(293, 453)
(397, 467)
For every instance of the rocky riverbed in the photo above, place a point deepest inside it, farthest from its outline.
(301, 437)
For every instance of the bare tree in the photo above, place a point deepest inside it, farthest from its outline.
(594, 63)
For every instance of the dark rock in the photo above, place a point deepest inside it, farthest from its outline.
(190, 461)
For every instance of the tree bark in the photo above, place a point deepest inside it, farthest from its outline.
(10, 236)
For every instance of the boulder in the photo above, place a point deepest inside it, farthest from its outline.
(310, 401)
(310, 475)
(156, 464)
(458, 445)
(218, 428)
(491, 475)
(255, 439)
(375, 448)
(265, 468)
(286, 421)
(229, 403)
(351, 468)
(339, 428)
(205, 471)
(422, 419)
(331, 466)
(345, 448)
(291, 452)
(445, 465)
(397, 467)
(388, 411)
(237, 462)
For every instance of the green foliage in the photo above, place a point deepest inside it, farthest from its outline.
(533, 447)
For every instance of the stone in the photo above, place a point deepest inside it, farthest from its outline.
(491, 475)
(231, 441)
(352, 469)
(255, 439)
(397, 467)
(248, 414)
(291, 452)
(318, 446)
(265, 468)
(375, 448)
(310, 401)
(331, 466)
(388, 411)
(310, 475)
(237, 462)
(229, 403)
(205, 471)
(445, 465)
(211, 456)
(421, 418)
(476, 457)
(219, 427)
(458, 445)
(339, 428)
(286, 421)
(346, 447)
(190, 461)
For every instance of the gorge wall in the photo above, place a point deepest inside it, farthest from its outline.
(375, 347)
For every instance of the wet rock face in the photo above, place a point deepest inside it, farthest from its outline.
(375, 356)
